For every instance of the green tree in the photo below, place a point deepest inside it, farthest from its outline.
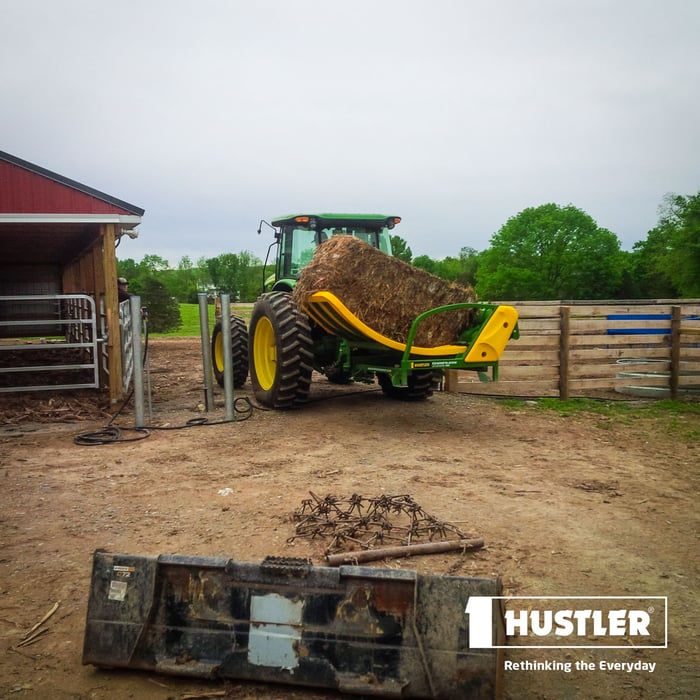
(550, 252)
(461, 270)
(163, 309)
(668, 261)
(425, 262)
(469, 264)
(401, 249)
(448, 268)
(153, 264)
(251, 276)
(632, 283)
(223, 271)
(182, 283)
(238, 274)
(139, 273)
(128, 269)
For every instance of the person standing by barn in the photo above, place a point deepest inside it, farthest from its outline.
(123, 289)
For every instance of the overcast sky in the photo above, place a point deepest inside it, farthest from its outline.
(453, 114)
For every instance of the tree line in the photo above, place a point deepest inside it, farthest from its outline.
(544, 252)
(560, 252)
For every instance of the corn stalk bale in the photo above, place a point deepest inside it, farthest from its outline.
(385, 292)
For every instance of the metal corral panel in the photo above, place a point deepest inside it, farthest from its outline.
(385, 632)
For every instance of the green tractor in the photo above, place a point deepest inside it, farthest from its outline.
(284, 344)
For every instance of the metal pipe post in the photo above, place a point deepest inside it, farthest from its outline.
(228, 359)
(135, 307)
(206, 356)
(147, 369)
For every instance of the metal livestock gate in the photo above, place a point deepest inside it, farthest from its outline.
(50, 342)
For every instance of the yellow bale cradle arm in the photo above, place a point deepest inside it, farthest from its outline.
(479, 348)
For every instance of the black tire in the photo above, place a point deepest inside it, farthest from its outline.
(280, 352)
(239, 352)
(420, 386)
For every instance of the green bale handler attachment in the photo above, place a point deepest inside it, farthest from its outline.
(284, 343)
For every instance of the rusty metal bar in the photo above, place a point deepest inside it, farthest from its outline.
(409, 550)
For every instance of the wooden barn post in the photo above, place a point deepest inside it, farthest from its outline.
(114, 346)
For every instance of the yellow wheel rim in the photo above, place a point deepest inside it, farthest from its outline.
(219, 353)
(265, 353)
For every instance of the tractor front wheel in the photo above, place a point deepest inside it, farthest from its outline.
(239, 352)
(280, 351)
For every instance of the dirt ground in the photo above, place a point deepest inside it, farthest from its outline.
(568, 505)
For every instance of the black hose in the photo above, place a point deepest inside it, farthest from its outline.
(114, 433)
(109, 435)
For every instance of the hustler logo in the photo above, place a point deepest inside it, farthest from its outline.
(567, 622)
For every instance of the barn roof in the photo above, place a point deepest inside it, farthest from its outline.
(51, 193)
(46, 217)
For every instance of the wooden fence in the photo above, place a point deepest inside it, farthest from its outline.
(567, 349)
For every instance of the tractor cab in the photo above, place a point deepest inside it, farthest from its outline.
(300, 234)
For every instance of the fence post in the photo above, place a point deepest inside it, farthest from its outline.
(228, 355)
(136, 325)
(206, 356)
(675, 351)
(564, 335)
(451, 380)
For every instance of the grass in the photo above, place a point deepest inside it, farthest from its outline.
(190, 323)
(190, 320)
(679, 418)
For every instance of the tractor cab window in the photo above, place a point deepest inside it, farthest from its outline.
(298, 246)
(376, 237)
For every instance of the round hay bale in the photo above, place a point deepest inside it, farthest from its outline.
(385, 293)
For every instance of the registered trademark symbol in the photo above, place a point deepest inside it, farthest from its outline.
(651, 608)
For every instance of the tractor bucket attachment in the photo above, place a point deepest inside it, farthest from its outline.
(382, 632)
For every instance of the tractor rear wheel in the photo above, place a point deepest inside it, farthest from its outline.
(420, 386)
(280, 351)
(239, 352)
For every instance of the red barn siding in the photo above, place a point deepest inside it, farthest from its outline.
(24, 192)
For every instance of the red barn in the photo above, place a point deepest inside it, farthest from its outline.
(58, 278)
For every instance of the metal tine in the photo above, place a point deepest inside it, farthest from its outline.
(366, 521)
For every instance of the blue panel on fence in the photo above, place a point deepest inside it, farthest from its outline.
(639, 331)
(639, 317)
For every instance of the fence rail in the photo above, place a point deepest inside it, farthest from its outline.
(647, 349)
(67, 359)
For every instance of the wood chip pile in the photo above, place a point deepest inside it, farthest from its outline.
(71, 407)
(384, 292)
